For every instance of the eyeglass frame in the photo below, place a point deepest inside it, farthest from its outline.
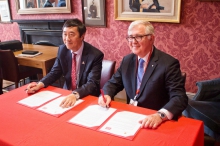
(135, 38)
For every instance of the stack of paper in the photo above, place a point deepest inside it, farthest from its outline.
(47, 102)
(123, 124)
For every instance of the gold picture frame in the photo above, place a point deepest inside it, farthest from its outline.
(150, 10)
(21, 8)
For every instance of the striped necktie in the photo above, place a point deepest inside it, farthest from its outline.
(140, 72)
(73, 73)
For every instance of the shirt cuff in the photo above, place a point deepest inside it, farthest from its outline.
(76, 94)
(168, 114)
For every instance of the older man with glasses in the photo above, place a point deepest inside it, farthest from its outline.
(151, 78)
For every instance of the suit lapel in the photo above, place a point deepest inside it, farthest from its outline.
(149, 70)
(83, 61)
(133, 74)
(69, 65)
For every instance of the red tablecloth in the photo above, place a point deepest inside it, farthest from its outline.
(24, 126)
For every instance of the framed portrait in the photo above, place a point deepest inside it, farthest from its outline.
(94, 13)
(5, 15)
(150, 10)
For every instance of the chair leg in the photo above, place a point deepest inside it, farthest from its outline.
(16, 84)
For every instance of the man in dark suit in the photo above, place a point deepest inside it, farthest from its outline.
(48, 3)
(88, 65)
(156, 84)
(93, 10)
(134, 5)
(154, 7)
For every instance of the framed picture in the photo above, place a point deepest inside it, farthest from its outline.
(5, 15)
(94, 13)
(150, 10)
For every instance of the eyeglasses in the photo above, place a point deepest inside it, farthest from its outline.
(136, 38)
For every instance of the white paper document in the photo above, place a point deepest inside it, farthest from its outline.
(54, 108)
(124, 124)
(92, 116)
(39, 98)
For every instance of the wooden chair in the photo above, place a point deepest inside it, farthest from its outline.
(12, 71)
(108, 68)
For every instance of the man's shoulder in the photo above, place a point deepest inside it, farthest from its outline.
(91, 48)
(63, 47)
(129, 56)
(164, 57)
(163, 54)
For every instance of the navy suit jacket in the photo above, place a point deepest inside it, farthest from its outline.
(162, 85)
(88, 82)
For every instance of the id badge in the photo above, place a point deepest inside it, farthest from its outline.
(133, 102)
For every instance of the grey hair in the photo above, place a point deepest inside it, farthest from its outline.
(149, 29)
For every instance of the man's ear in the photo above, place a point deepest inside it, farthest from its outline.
(151, 37)
(82, 37)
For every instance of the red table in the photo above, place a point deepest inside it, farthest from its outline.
(24, 126)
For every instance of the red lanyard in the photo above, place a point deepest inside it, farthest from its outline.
(148, 59)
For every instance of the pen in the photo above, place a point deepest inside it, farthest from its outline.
(103, 97)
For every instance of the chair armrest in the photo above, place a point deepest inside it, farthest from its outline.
(208, 90)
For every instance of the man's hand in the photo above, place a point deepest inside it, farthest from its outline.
(69, 101)
(33, 87)
(104, 101)
(151, 121)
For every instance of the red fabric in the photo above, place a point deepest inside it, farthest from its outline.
(73, 73)
(24, 126)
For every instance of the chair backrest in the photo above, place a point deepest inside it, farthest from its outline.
(108, 68)
(9, 65)
(208, 90)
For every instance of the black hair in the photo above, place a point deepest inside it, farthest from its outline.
(76, 23)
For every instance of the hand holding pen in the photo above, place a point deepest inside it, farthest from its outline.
(104, 100)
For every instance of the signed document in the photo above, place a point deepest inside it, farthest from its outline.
(92, 116)
(124, 124)
(54, 108)
(39, 98)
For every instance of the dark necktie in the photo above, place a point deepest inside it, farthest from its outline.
(140, 72)
(73, 73)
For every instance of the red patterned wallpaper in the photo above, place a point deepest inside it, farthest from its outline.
(195, 41)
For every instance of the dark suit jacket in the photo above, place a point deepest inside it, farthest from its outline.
(90, 70)
(162, 85)
(134, 5)
(47, 4)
